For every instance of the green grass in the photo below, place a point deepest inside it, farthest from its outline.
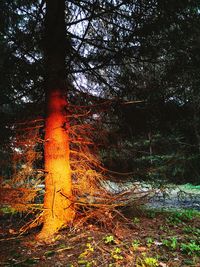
(191, 187)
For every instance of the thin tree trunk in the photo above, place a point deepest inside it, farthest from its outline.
(58, 209)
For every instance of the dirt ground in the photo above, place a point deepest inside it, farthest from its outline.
(145, 239)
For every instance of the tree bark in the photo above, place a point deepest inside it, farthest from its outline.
(58, 208)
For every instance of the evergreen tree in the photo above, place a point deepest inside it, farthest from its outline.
(121, 51)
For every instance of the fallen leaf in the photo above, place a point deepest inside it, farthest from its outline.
(12, 232)
(141, 249)
(162, 264)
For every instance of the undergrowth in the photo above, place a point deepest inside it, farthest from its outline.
(148, 239)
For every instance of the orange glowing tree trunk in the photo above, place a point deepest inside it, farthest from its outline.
(58, 209)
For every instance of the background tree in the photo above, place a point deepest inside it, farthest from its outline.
(161, 75)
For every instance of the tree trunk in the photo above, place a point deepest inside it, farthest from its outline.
(58, 209)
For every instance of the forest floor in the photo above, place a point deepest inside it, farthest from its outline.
(150, 238)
